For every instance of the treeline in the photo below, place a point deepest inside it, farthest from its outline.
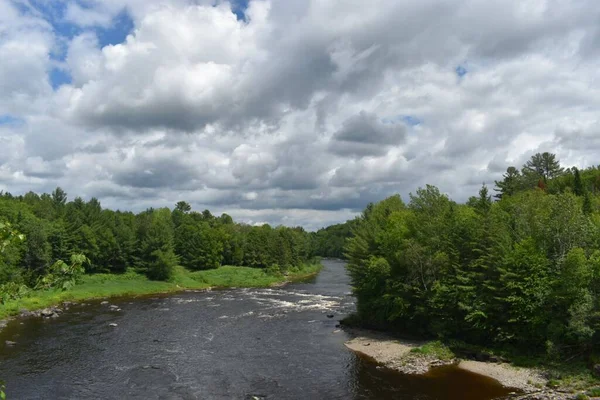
(152, 242)
(331, 241)
(523, 271)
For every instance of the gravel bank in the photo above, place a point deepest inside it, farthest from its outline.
(396, 354)
(525, 379)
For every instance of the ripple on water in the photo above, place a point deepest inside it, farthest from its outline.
(276, 343)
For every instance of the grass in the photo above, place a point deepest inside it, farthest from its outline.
(594, 392)
(133, 284)
(435, 349)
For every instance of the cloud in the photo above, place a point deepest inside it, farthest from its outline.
(290, 111)
(364, 135)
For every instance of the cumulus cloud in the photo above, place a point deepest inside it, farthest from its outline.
(364, 135)
(295, 112)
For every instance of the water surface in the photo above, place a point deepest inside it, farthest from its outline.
(227, 344)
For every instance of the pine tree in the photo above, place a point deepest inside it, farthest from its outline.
(510, 184)
(543, 165)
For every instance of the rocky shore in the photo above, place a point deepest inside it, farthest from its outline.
(398, 355)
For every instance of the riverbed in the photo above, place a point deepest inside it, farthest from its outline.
(277, 343)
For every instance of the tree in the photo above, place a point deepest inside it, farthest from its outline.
(183, 206)
(587, 203)
(37, 253)
(543, 165)
(483, 203)
(510, 184)
(156, 256)
(577, 184)
(8, 236)
(198, 246)
(59, 197)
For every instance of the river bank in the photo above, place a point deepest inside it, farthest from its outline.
(418, 357)
(101, 286)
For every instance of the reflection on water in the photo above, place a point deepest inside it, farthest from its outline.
(230, 344)
(448, 382)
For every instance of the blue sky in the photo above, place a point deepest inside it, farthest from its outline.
(120, 26)
(10, 120)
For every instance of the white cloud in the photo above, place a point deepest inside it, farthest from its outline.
(295, 115)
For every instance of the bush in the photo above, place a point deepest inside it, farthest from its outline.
(273, 270)
(163, 265)
(12, 291)
(62, 275)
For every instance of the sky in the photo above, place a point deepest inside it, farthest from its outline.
(294, 112)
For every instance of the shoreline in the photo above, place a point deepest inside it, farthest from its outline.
(49, 304)
(409, 357)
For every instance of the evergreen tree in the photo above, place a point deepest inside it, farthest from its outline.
(543, 165)
(510, 184)
(198, 246)
(157, 257)
(577, 184)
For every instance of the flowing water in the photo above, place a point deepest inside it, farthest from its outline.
(224, 344)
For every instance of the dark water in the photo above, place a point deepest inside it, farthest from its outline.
(231, 344)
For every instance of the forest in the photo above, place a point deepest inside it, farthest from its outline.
(49, 242)
(519, 269)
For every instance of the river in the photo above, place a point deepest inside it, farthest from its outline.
(224, 344)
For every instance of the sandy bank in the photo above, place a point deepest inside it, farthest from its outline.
(522, 378)
(396, 354)
(393, 353)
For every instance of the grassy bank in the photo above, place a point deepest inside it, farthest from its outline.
(133, 284)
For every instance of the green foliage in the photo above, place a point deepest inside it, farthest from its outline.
(594, 392)
(511, 183)
(273, 270)
(521, 272)
(330, 241)
(99, 286)
(543, 165)
(199, 245)
(435, 349)
(12, 291)
(153, 241)
(161, 265)
(63, 276)
(8, 236)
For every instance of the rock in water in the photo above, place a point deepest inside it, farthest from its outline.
(48, 313)
(329, 315)
(10, 343)
(112, 324)
(104, 303)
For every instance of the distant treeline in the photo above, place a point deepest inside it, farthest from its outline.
(152, 242)
(331, 241)
(523, 271)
